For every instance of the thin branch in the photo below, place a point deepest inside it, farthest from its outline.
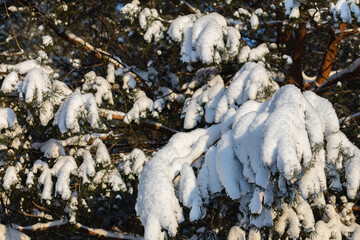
(39, 226)
(348, 73)
(108, 234)
(83, 140)
(329, 57)
(12, 27)
(352, 117)
(190, 8)
(97, 232)
(117, 115)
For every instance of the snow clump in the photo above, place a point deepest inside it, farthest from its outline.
(202, 38)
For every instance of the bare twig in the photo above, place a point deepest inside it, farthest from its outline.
(352, 117)
(348, 73)
(190, 8)
(108, 234)
(100, 233)
(117, 115)
(12, 27)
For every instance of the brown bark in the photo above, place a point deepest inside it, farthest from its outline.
(329, 57)
(349, 73)
(297, 56)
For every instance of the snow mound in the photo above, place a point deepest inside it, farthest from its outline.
(10, 83)
(252, 82)
(36, 83)
(77, 106)
(7, 118)
(51, 149)
(203, 38)
(140, 106)
(148, 21)
(157, 204)
(268, 156)
(343, 9)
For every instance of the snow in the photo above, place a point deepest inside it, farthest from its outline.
(254, 22)
(244, 54)
(343, 9)
(10, 177)
(131, 9)
(189, 193)
(110, 77)
(259, 52)
(207, 38)
(36, 83)
(140, 106)
(154, 28)
(208, 179)
(248, 83)
(233, 41)
(102, 154)
(7, 118)
(335, 226)
(243, 11)
(228, 167)
(157, 204)
(8, 233)
(103, 91)
(59, 92)
(75, 106)
(283, 136)
(116, 182)
(181, 30)
(139, 160)
(45, 178)
(10, 83)
(236, 233)
(24, 67)
(289, 4)
(290, 220)
(355, 10)
(315, 14)
(202, 39)
(100, 85)
(62, 169)
(52, 148)
(129, 81)
(87, 168)
(155, 31)
(47, 41)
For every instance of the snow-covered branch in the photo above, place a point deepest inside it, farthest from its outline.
(351, 72)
